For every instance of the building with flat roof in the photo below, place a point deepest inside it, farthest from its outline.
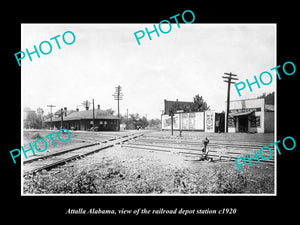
(251, 115)
(247, 115)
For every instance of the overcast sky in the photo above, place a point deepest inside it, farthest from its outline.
(187, 61)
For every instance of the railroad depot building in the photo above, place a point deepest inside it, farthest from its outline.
(248, 115)
(83, 120)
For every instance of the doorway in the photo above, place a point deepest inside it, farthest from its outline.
(243, 123)
(220, 122)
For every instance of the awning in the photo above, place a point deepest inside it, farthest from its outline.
(241, 113)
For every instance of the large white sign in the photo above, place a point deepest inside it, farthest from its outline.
(209, 121)
(184, 121)
(166, 122)
(199, 125)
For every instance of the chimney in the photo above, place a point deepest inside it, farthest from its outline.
(77, 110)
(65, 108)
(98, 106)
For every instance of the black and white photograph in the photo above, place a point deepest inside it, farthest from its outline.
(145, 110)
(172, 108)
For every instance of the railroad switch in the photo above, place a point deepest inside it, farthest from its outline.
(205, 152)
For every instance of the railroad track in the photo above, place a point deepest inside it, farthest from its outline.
(191, 149)
(243, 144)
(48, 162)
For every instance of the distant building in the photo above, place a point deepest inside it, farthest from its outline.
(83, 120)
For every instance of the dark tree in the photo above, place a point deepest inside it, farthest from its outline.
(110, 111)
(269, 98)
(199, 104)
(155, 123)
(31, 119)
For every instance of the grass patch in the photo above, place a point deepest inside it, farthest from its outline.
(117, 179)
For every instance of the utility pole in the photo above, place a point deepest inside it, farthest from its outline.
(171, 113)
(62, 111)
(118, 95)
(127, 120)
(93, 114)
(228, 80)
(51, 106)
(61, 117)
(86, 104)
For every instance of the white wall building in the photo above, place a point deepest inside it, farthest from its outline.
(251, 115)
(247, 115)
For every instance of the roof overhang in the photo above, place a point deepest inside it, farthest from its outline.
(241, 113)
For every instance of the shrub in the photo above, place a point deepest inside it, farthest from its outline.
(229, 182)
(72, 182)
(36, 136)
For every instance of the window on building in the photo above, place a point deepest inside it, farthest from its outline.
(231, 122)
(254, 121)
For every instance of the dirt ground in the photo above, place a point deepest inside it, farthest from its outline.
(122, 170)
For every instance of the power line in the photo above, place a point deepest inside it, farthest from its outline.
(118, 95)
(93, 114)
(228, 79)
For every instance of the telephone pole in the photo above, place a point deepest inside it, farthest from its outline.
(127, 120)
(228, 80)
(51, 106)
(93, 114)
(171, 113)
(118, 95)
(61, 118)
(62, 111)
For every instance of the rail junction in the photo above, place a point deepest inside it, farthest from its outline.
(189, 148)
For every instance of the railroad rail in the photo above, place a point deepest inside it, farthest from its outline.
(187, 148)
(48, 162)
(190, 149)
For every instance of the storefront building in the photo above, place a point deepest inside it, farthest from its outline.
(245, 116)
(251, 115)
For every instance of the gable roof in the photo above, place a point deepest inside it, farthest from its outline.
(86, 114)
(58, 112)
